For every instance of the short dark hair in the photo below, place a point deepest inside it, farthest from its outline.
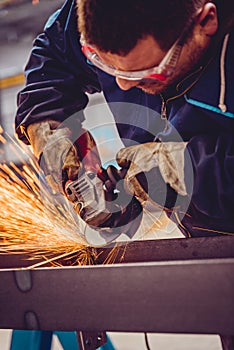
(116, 26)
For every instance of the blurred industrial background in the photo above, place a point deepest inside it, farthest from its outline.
(20, 22)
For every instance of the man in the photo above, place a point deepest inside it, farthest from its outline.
(175, 58)
(172, 57)
(166, 70)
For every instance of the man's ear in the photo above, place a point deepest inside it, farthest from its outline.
(208, 19)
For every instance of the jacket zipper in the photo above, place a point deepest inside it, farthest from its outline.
(164, 112)
(163, 108)
(165, 102)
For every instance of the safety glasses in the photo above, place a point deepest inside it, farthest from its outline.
(160, 72)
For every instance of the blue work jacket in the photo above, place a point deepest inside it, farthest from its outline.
(58, 78)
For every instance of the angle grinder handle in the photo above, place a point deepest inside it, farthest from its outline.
(111, 177)
(88, 152)
(129, 215)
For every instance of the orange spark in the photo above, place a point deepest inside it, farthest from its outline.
(31, 220)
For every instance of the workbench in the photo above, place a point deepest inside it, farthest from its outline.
(160, 286)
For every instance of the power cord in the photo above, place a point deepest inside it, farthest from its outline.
(147, 341)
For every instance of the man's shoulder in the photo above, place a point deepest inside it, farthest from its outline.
(214, 90)
(63, 17)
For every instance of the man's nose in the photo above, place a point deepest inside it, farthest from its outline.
(126, 84)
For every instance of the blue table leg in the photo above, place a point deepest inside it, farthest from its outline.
(31, 340)
(107, 346)
(68, 340)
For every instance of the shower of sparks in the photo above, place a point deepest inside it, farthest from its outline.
(31, 221)
(34, 222)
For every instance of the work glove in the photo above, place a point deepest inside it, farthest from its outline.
(151, 166)
(59, 158)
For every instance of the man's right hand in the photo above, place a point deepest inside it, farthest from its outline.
(58, 156)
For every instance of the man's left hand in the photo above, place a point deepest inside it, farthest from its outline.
(145, 160)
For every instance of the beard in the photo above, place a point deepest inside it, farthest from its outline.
(185, 67)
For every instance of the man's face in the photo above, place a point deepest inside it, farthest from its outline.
(147, 54)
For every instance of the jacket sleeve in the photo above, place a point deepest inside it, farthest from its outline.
(212, 158)
(207, 209)
(57, 74)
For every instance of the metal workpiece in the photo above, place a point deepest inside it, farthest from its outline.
(141, 251)
(173, 297)
(170, 249)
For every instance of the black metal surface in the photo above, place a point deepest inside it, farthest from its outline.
(172, 249)
(227, 342)
(179, 297)
(146, 251)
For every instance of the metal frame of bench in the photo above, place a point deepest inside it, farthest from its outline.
(164, 286)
